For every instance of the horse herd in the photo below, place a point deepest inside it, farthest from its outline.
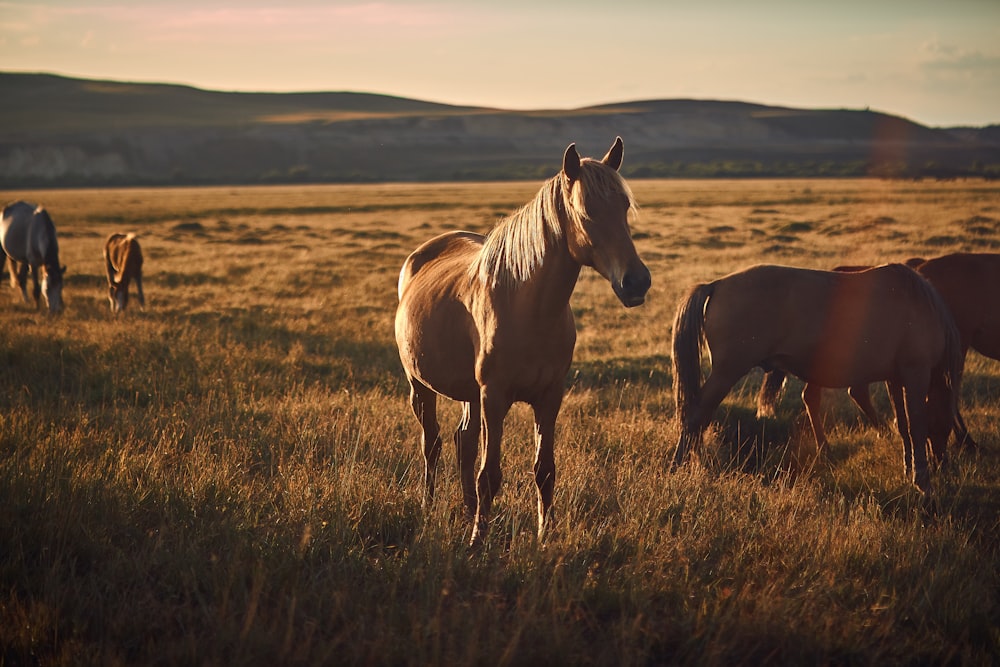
(29, 242)
(485, 320)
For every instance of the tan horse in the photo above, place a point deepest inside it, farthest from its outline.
(123, 263)
(830, 329)
(486, 320)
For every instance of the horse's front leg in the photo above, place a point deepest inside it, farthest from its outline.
(494, 409)
(36, 287)
(546, 412)
(902, 424)
(916, 413)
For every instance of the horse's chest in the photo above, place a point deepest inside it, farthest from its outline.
(529, 360)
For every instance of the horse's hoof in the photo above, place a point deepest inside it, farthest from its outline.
(479, 530)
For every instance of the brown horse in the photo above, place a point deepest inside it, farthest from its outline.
(830, 329)
(123, 262)
(774, 380)
(964, 282)
(486, 320)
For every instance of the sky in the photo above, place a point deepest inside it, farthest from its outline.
(936, 62)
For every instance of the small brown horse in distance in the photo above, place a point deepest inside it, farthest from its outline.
(123, 261)
(830, 329)
(486, 320)
(965, 282)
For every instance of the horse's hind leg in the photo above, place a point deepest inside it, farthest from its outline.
(466, 448)
(138, 291)
(863, 399)
(812, 398)
(19, 278)
(423, 401)
(770, 391)
(12, 267)
(716, 387)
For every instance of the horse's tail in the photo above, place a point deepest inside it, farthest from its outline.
(770, 391)
(689, 325)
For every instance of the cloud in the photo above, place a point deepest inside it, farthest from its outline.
(947, 58)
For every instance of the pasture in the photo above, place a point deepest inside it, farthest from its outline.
(233, 475)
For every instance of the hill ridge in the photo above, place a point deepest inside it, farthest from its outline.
(70, 131)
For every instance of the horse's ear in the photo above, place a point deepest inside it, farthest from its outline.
(571, 163)
(615, 154)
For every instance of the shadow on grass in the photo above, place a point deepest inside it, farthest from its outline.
(652, 372)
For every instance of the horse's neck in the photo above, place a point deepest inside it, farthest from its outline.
(553, 282)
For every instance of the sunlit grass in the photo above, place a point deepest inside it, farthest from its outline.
(233, 477)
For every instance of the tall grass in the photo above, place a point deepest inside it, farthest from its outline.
(233, 476)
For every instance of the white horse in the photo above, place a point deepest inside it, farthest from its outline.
(29, 240)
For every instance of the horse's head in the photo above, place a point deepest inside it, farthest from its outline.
(52, 282)
(598, 203)
(118, 296)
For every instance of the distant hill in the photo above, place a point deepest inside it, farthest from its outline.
(58, 131)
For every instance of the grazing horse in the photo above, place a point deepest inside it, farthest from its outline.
(830, 329)
(486, 320)
(965, 282)
(29, 240)
(123, 261)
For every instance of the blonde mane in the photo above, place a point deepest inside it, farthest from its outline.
(516, 246)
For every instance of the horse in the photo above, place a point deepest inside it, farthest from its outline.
(123, 262)
(486, 320)
(774, 380)
(962, 280)
(28, 238)
(832, 330)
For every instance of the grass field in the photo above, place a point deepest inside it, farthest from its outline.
(232, 476)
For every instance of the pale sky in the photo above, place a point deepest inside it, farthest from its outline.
(936, 62)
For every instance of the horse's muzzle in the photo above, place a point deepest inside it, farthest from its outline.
(631, 289)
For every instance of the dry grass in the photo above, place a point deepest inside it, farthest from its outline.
(232, 476)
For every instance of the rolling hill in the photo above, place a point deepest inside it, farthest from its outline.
(57, 131)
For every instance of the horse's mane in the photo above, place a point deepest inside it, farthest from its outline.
(515, 247)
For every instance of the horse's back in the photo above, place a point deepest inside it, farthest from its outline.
(829, 327)
(15, 228)
(451, 254)
(124, 254)
(969, 283)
